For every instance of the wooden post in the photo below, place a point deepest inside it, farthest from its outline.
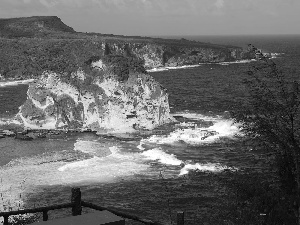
(5, 220)
(180, 218)
(45, 215)
(76, 201)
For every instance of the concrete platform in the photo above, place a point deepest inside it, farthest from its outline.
(97, 218)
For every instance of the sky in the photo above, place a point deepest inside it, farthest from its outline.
(165, 17)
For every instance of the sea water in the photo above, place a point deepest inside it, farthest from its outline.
(130, 171)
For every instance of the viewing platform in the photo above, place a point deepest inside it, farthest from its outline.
(104, 215)
(97, 218)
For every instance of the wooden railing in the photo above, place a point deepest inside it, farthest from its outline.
(76, 204)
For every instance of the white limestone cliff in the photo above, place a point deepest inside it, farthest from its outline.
(100, 102)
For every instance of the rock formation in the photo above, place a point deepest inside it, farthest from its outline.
(175, 53)
(105, 96)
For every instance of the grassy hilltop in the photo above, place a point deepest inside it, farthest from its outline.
(31, 45)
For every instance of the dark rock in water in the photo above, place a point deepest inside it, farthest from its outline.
(120, 137)
(54, 132)
(36, 134)
(227, 115)
(208, 134)
(179, 118)
(23, 137)
(42, 135)
(6, 133)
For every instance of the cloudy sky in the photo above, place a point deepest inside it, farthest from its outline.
(166, 17)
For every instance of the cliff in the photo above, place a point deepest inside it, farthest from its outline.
(101, 97)
(36, 26)
(32, 45)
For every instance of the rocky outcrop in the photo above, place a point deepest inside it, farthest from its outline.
(102, 97)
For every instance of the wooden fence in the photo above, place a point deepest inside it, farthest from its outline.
(76, 204)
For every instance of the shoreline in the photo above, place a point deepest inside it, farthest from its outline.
(4, 83)
(12, 82)
(159, 69)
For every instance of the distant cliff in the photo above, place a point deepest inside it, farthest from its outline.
(36, 26)
(30, 46)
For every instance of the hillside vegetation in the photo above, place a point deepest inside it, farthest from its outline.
(32, 45)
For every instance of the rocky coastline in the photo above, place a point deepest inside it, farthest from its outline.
(94, 82)
(37, 44)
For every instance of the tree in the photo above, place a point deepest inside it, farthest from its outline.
(271, 115)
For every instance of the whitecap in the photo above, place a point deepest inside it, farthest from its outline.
(158, 69)
(237, 62)
(276, 55)
(162, 157)
(15, 83)
(210, 167)
(197, 135)
(102, 169)
(80, 164)
(157, 154)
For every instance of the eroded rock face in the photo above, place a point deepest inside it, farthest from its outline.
(99, 101)
(177, 54)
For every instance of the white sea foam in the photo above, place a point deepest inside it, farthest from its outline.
(197, 136)
(15, 83)
(181, 67)
(211, 167)
(157, 69)
(79, 165)
(276, 55)
(171, 68)
(237, 62)
(161, 156)
(54, 168)
(157, 154)
(140, 146)
(102, 169)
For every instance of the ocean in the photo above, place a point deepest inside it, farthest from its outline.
(150, 174)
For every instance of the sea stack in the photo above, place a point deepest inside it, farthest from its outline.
(110, 94)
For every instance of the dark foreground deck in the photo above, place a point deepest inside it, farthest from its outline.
(108, 216)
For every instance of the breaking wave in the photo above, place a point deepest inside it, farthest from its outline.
(159, 69)
(190, 133)
(162, 157)
(210, 167)
(171, 68)
(15, 83)
(94, 161)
